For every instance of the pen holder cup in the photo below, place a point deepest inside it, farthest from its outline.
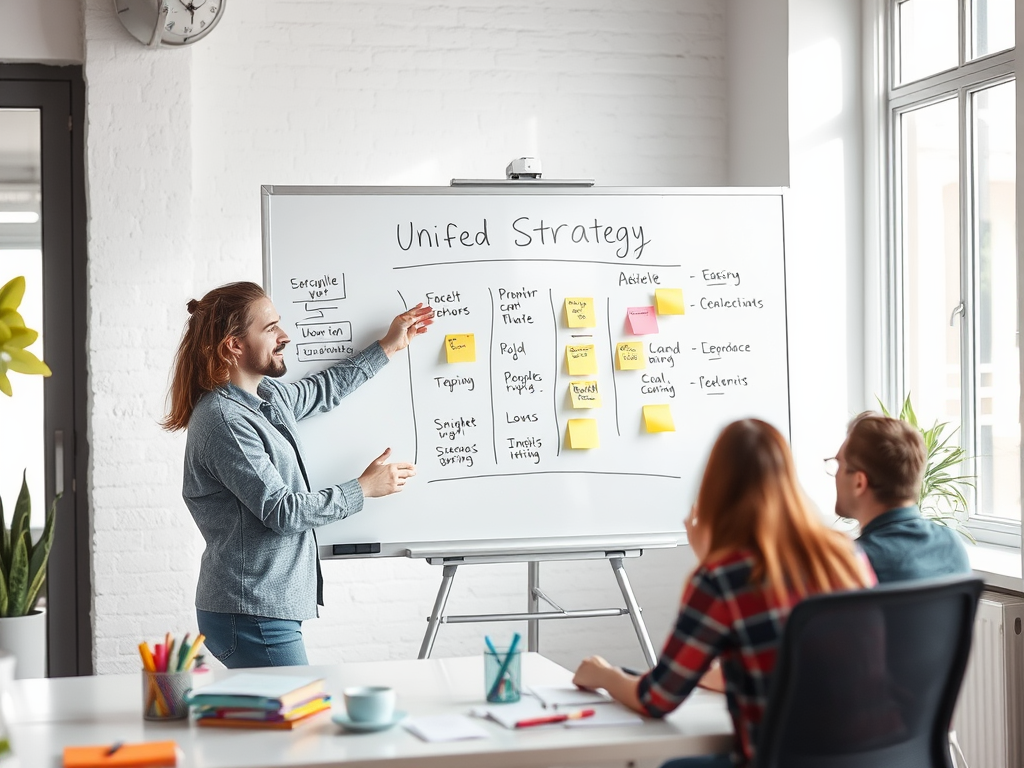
(503, 675)
(163, 694)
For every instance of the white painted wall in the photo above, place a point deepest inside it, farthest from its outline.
(41, 31)
(824, 234)
(321, 92)
(757, 67)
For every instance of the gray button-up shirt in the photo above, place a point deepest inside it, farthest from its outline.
(246, 487)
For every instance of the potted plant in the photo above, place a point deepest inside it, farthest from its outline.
(942, 497)
(22, 562)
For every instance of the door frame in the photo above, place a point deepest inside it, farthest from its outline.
(59, 93)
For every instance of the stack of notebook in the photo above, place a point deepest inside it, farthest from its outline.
(259, 700)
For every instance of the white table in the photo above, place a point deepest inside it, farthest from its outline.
(51, 714)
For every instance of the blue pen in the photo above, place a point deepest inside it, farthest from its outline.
(490, 645)
(504, 667)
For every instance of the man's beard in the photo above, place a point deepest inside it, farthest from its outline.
(272, 367)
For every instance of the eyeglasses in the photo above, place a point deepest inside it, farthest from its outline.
(832, 466)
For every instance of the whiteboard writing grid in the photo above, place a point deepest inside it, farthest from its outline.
(505, 272)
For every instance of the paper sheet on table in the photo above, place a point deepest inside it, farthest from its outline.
(509, 714)
(568, 696)
(607, 715)
(444, 728)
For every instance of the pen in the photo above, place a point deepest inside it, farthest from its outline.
(113, 748)
(193, 651)
(555, 718)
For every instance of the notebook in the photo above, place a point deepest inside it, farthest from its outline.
(143, 755)
(255, 690)
(279, 725)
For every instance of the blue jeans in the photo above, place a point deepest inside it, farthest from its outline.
(700, 761)
(238, 640)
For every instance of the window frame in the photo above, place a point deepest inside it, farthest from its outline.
(960, 83)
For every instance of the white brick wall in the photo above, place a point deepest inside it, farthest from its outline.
(386, 92)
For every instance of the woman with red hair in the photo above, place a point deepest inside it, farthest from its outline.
(760, 548)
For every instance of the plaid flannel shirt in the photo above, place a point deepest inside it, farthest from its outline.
(723, 615)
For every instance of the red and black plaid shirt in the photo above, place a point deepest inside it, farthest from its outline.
(723, 615)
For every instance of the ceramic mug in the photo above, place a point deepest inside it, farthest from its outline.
(370, 704)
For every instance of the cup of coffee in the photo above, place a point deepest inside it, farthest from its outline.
(370, 703)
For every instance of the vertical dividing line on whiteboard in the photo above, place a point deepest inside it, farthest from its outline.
(554, 387)
(490, 376)
(615, 386)
(412, 395)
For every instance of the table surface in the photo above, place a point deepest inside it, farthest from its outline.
(51, 714)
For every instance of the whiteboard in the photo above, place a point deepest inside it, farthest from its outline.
(497, 470)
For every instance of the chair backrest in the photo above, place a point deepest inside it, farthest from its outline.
(869, 678)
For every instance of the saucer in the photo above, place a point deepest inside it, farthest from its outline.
(351, 725)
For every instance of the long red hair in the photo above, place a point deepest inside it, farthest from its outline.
(202, 362)
(750, 500)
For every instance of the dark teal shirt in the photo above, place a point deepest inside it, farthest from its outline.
(902, 545)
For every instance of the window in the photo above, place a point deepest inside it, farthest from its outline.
(953, 301)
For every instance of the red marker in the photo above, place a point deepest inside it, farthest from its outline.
(555, 718)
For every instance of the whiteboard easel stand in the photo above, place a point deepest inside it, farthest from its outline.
(535, 595)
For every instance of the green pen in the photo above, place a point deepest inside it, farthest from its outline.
(182, 652)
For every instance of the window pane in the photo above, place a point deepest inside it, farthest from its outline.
(20, 254)
(931, 256)
(998, 382)
(928, 38)
(992, 26)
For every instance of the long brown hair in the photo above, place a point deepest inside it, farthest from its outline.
(202, 362)
(750, 500)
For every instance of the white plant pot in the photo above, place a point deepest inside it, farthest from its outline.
(25, 637)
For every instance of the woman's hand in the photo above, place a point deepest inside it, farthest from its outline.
(592, 673)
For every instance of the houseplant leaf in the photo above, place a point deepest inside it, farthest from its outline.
(21, 519)
(40, 555)
(18, 582)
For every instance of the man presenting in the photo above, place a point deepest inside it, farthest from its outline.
(245, 479)
(878, 471)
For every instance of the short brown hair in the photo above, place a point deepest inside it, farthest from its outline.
(891, 453)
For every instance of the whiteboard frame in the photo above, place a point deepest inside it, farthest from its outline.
(548, 548)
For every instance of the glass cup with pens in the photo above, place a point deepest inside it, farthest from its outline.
(167, 677)
(503, 677)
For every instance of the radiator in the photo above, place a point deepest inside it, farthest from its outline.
(988, 719)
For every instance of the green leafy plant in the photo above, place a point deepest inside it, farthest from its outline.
(942, 496)
(22, 563)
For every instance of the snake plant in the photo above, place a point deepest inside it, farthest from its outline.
(22, 563)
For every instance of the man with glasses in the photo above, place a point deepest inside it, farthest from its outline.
(878, 472)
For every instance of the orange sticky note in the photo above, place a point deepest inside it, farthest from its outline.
(658, 418)
(460, 348)
(580, 359)
(630, 355)
(584, 394)
(582, 433)
(579, 313)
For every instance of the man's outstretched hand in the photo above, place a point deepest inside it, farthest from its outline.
(383, 479)
(406, 327)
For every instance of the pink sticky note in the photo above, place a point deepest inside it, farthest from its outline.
(642, 320)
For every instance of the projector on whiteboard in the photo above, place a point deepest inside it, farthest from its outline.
(523, 168)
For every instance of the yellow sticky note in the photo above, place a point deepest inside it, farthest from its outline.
(582, 433)
(584, 394)
(460, 348)
(630, 355)
(580, 359)
(669, 301)
(658, 418)
(579, 313)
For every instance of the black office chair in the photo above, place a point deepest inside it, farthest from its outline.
(869, 679)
